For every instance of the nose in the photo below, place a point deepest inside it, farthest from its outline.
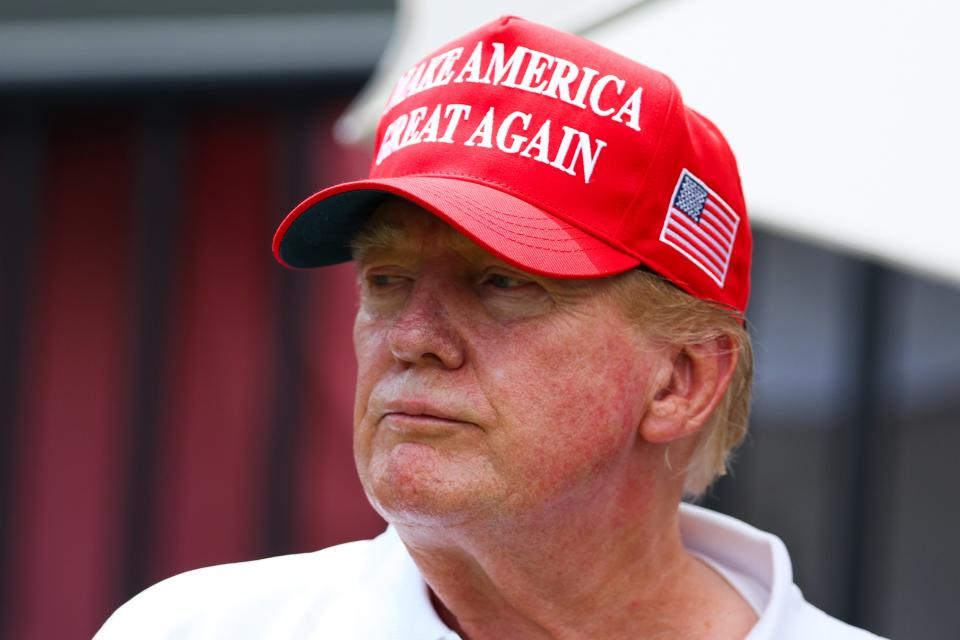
(424, 331)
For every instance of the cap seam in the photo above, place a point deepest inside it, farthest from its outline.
(653, 159)
(589, 229)
(509, 234)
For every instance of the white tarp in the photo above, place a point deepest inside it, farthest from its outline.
(843, 115)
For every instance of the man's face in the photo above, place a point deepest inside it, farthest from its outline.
(484, 391)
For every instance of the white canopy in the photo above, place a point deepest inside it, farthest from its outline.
(843, 115)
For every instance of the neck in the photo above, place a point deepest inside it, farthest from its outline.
(612, 567)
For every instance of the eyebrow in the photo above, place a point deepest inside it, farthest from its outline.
(382, 236)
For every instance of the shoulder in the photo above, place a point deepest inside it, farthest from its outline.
(256, 598)
(757, 564)
(801, 620)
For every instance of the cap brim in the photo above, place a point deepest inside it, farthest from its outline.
(318, 232)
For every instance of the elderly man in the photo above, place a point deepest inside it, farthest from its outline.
(553, 263)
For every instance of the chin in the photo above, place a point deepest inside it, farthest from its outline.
(415, 484)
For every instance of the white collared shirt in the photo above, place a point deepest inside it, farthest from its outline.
(372, 590)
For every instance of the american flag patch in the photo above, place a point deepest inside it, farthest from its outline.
(701, 226)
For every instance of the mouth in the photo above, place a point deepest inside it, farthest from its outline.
(421, 419)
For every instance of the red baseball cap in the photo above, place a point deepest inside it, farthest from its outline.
(555, 154)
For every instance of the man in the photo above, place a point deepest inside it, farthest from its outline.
(553, 260)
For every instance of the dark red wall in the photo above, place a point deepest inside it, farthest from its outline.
(172, 398)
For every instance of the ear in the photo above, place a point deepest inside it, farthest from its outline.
(689, 390)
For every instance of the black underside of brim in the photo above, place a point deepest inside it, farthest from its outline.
(322, 234)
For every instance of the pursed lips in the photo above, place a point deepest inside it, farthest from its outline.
(409, 414)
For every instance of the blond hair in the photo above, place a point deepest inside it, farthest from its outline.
(668, 314)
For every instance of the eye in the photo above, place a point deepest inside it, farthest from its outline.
(504, 281)
(383, 281)
(510, 295)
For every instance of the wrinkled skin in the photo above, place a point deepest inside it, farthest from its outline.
(484, 392)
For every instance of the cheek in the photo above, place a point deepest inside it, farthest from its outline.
(578, 399)
(368, 341)
(369, 346)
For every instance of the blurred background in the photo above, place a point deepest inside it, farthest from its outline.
(171, 398)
